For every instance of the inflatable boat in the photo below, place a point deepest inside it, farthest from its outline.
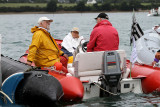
(23, 84)
(99, 72)
(150, 77)
(146, 48)
(92, 74)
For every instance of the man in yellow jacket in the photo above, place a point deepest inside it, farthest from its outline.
(43, 51)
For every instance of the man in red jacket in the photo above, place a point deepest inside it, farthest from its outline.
(104, 36)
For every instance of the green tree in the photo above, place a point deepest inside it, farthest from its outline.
(52, 6)
(3, 1)
(95, 7)
(124, 6)
(134, 4)
(39, 1)
(72, 1)
(81, 6)
(106, 6)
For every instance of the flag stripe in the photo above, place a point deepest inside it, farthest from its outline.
(133, 57)
(136, 32)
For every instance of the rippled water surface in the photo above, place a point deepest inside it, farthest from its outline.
(16, 38)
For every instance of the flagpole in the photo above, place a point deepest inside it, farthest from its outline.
(136, 33)
(133, 20)
(131, 65)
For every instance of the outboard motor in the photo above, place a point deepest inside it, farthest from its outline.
(110, 79)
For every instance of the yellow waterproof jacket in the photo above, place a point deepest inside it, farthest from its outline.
(43, 50)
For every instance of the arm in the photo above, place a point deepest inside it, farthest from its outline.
(33, 47)
(81, 40)
(92, 41)
(67, 43)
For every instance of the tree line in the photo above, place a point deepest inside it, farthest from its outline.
(74, 1)
(104, 5)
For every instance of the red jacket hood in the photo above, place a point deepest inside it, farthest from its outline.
(103, 22)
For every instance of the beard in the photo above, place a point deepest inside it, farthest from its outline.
(48, 27)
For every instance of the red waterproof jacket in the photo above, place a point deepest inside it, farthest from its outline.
(103, 37)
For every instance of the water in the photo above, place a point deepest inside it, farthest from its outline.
(16, 38)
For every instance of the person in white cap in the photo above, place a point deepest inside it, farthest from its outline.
(71, 42)
(43, 50)
(156, 28)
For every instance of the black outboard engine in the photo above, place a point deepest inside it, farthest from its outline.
(111, 73)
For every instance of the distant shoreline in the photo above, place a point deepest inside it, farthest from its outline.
(63, 12)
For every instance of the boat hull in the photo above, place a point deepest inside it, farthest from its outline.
(25, 85)
(72, 87)
(151, 82)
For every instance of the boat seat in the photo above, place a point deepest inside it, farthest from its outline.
(88, 66)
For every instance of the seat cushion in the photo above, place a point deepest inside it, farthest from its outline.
(89, 61)
(89, 78)
(90, 73)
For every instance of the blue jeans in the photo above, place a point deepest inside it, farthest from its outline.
(66, 51)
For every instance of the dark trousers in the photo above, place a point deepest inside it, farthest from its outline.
(66, 51)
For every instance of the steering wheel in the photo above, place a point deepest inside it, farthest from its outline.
(84, 46)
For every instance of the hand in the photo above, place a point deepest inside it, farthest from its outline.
(153, 63)
(157, 56)
(65, 55)
(29, 63)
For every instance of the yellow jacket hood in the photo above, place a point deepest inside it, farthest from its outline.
(36, 28)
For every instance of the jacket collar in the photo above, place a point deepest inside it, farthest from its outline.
(43, 28)
(103, 22)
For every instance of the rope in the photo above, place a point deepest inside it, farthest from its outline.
(104, 89)
(7, 97)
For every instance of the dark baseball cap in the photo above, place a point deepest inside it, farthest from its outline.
(102, 15)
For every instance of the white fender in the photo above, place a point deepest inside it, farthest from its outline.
(147, 47)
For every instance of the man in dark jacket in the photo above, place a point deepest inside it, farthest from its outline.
(104, 36)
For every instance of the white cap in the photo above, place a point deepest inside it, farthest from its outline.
(44, 18)
(75, 29)
(156, 25)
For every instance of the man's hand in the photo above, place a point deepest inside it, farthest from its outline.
(153, 63)
(65, 55)
(29, 63)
